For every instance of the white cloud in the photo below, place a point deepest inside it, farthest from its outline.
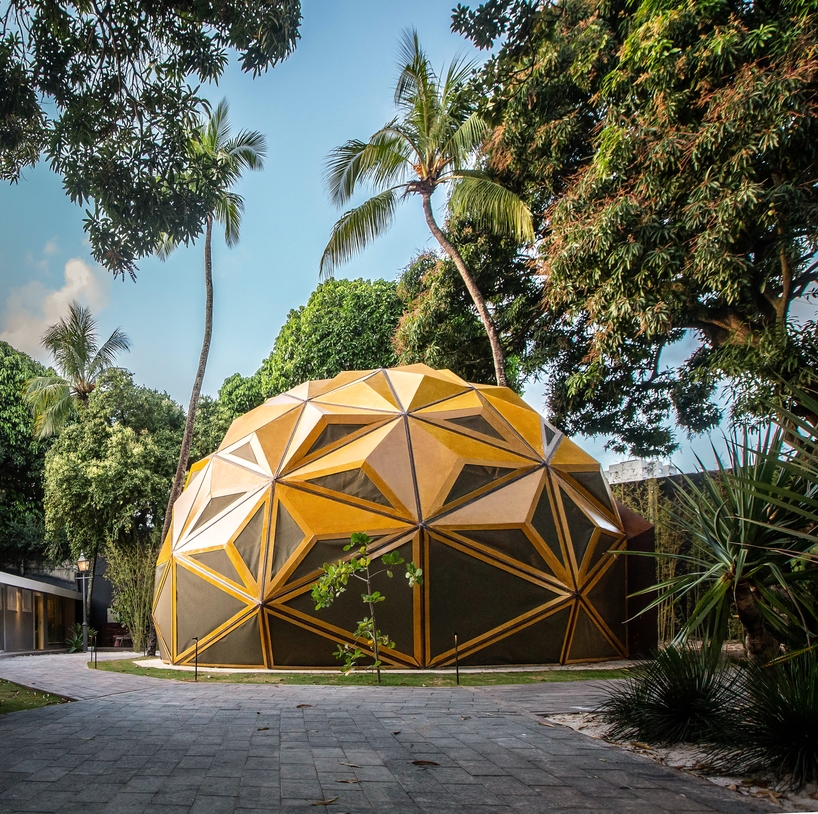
(32, 308)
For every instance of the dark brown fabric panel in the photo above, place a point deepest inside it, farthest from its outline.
(473, 477)
(580, 527)
(160, 569)
(603, 545)
(469, 597)
(241, 646)
(609, 600)
(216, 505)
(545, 525)
(476, 423)
(354, 482)
(594, 484)
(294, 646)
(248, 543)
(200, 607)
(512, 543)
(332, 433)
(288, 536)
(163, 616)
(219, 562)
(588, 641)
(394, 615)
(322, 551)
(540, 643)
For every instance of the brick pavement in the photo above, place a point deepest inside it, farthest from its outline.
(166, 747)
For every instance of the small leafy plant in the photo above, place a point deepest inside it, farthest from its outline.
(74, 640)
(335, 581)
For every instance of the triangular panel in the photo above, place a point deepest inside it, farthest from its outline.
(240, 647)
(219, 561)
(249, 541)
(588, 642)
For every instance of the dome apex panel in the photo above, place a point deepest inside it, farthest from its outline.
(510, 521)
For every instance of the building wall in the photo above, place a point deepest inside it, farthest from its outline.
(18, 615)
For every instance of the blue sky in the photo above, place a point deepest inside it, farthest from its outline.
(337, 85)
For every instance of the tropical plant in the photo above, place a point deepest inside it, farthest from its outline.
(75, 639)
(771, 727)
(107, 474)
(432, 142)
(750, 518)
(230, 155)
(680, 696)
(22, 457)
(335, 580)
(107, 93)
(72, 343)
(131, 572)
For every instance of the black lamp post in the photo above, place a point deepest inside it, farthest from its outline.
(83, 564)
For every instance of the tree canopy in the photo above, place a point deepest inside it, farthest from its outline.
(108, 474)
(109, 93)
(22, 458)
(668, 151)
(345, 325)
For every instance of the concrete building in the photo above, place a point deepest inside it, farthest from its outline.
(637, 469)
(35, 615)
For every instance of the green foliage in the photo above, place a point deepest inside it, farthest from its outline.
(210, 426)
(345, 325)
(681, 696)
(22, 458)
(109, 93)
(75, 639)
(108, 474)
(131, 572)
(669, 149)
(441, 326)
(772, 727)
(747, 518)
(335, 581)
(80, 360)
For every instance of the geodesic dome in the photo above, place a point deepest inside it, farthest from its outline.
(513, 525)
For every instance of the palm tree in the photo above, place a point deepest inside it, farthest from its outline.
(72, 343)
(230, 156)
(433, 141)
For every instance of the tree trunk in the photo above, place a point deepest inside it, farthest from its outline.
(760, 645)
(187, 438)
(474, 291)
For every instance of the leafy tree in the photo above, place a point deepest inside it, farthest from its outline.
(73, 344)
(670, 148)
(441, 327)
(22, 457)
(109, 92)
(212, 422)
(345, 325)
(335, 580)
(230, 155)
(107, 475)
(431, 143)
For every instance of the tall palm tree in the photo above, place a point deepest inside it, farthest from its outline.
(73, 344)
(431, 142)
(230, 156)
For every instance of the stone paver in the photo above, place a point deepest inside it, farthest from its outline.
(161, 747)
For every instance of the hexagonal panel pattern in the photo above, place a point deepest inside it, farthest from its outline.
(513, 525)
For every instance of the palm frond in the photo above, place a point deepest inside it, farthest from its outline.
(490, 205)
(357, 228)
(49, 399)
(383, 160)
(466, 139)
(166, 246)
(117, 342)
(247, 149)
(229, 211)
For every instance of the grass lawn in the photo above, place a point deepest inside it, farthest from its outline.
(389, 679)
(13, 698)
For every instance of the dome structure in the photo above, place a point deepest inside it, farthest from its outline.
(513, 525)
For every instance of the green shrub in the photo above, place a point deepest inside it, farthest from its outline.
(680, 696)
(74, 640)
(772, 728)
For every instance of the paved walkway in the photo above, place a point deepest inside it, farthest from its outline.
(138, 745)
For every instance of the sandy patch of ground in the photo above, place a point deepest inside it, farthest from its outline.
(692, 760)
